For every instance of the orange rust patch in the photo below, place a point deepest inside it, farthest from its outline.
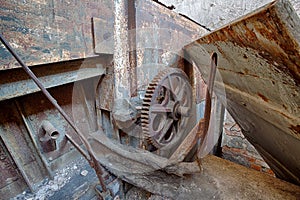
(263, 97)
(267, 34)
(286, 116)
(295, 129)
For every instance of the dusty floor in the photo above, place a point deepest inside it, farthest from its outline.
(220, 179)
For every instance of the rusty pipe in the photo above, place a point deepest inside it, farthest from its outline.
(50, 130)
(48, 135)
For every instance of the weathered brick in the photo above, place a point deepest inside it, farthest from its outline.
(256, 167)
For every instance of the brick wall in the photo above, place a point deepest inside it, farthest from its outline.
(236, 148)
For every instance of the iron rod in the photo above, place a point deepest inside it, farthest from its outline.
(208, 99)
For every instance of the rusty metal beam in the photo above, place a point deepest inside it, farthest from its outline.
(15, 83)
(13, 132)
(11, 181)
(132, 46)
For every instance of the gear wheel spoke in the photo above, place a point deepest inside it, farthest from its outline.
(158, 108)
(162, 137)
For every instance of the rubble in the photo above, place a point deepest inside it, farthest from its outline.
(47, 188)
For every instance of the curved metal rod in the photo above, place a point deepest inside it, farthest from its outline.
(208, 99)
(90, 156)
(209, 91)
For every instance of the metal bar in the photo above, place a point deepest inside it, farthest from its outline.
(27, 126)
(27, 86)
(18, 162)
(208, 100)
(90, 156)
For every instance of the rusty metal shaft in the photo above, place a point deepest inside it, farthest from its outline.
(90, 156)
(208, 99)
(209, 91)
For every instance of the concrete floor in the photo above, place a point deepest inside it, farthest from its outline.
(238, 182)
(220, 179)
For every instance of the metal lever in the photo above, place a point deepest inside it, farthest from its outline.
(207, 112)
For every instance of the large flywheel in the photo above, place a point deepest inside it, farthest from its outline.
(167, 107)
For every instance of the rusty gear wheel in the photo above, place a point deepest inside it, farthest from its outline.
(166, 109)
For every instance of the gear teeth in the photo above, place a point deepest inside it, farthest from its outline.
(145, 112)
(147, 99)
(147, 104)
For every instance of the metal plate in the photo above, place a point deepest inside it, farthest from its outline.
(259, 62)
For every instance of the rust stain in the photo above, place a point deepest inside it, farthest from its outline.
(266, 33)
(245, 73)
(9, 171)
(285, 115)
(295, 129)
(63, 31)
(263, 97)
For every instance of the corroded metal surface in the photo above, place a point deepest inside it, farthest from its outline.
(14, 83)
(259, 61)
(106, 87)
(43, 110)
(9, 174)
(20, 125)
(50, 31)
(103, 31)
(121, 51)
